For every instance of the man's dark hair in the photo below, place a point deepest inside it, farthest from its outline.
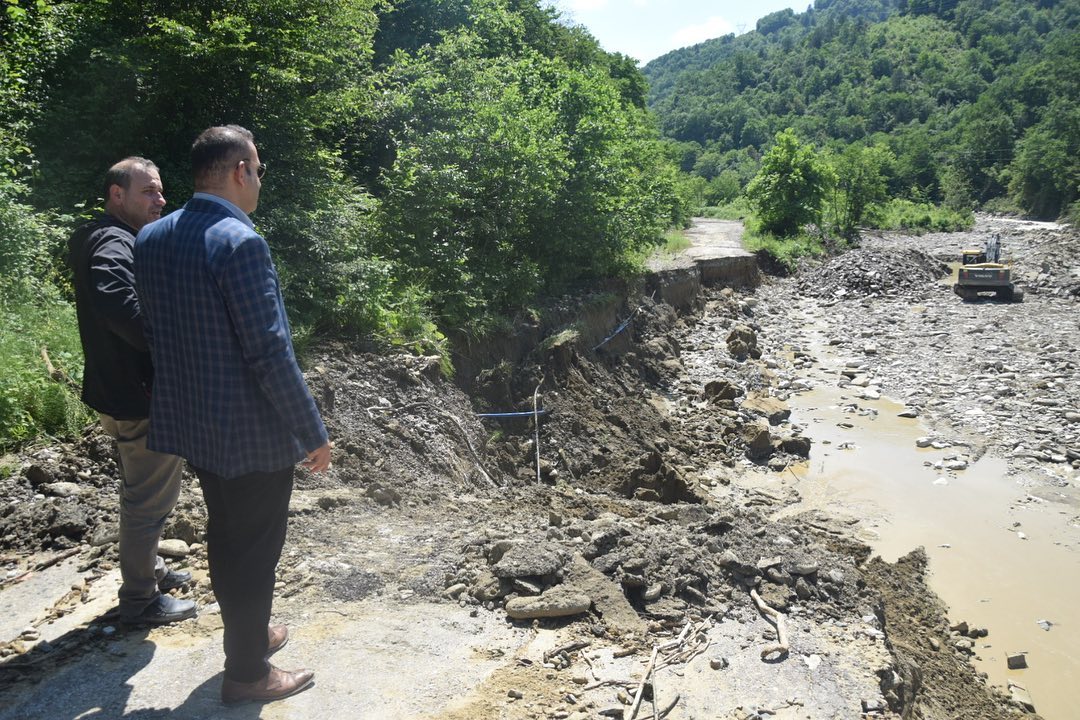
(216, 150)
(120, 173)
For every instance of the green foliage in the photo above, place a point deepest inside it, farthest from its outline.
(675, 241)
(31, 403)
(790, 188)
(1072, 214)
(409, 324)
(860, 186)
(1045, 174)
(786, 250)
(738, 209)
(433, 163)
(900, 214)
(967, 94)
(515, 175)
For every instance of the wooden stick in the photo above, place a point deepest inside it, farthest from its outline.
(42, 566)
(58, 375)
(468, 443)
(644, 679)
(605, 683)
(568, 648)
(779, 619)
(665, 712)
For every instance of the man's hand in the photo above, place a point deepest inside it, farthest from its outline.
(318, 460)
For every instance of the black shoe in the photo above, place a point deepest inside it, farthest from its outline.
(164, 610)
(173, 579)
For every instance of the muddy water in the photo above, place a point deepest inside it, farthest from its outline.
(1000, 558)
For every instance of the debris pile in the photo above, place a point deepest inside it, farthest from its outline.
(867, 272)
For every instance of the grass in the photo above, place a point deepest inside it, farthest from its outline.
(785, 250)
(737, 209)
(31, 403)
(569, 335)
(675, 241)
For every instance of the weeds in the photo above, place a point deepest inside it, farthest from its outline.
(788, 250)
(32, 403)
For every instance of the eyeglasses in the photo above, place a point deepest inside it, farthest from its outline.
(260, 169)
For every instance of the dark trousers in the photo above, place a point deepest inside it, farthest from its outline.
(247, 517)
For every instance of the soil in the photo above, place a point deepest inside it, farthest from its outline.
(562, 564)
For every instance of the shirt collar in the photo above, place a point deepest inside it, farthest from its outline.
(240, 214)
(108, 218)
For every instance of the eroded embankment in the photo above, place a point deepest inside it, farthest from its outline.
(606, 539)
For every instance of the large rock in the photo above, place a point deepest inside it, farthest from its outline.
(531, 559)
(63, 489)
(757, 439)
(796, 445)
(722, 390)
(742, 343)
(772, 409)
(174, 548)
(559, 601)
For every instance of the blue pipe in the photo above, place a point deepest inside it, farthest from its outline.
(511, 414)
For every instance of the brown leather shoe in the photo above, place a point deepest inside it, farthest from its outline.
(276, 685)
(278, 637)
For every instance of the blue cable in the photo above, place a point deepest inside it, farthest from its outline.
(618, 330)
(511, 414)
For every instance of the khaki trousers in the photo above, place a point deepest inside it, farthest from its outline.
(149, 488)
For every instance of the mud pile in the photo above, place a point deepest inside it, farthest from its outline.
(867, 272)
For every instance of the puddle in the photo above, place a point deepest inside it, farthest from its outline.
(999, 558)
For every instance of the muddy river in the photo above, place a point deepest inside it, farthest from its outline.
(1002, 536)
(1000, 557)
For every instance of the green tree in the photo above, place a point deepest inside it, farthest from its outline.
(790, 188)
(860, 185)
(146, 77)
(1044, 178)
(512, 175)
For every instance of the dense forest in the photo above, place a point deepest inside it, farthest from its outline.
(433, 163)
(969, 101)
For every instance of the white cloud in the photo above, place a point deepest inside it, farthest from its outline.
(693, 34)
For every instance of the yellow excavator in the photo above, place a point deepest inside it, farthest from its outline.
(983, 272)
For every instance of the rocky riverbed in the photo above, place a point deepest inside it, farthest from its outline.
(617, 542)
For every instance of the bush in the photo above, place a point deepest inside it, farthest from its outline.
(1002, 206)
(786, 250)
(899, 214)
(1072, 214)
(31, 403)
(737, 209)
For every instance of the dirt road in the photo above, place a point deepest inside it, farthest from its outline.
(450, 567)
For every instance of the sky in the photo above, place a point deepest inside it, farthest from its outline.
(646, 29)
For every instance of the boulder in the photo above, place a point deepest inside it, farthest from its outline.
(559, 601)
(773, 409)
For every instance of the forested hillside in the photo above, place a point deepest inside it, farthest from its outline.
(976, 100)
(433, 163)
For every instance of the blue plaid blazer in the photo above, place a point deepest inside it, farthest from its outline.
(228, 395)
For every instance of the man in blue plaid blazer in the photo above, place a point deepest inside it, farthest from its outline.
(228, 395)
